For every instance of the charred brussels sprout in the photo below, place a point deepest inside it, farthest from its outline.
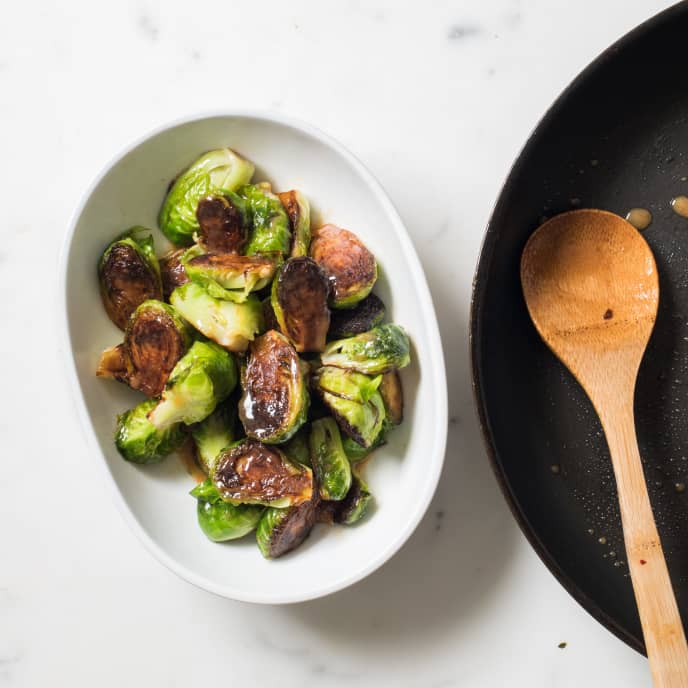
(251, 472)
(223, 222)
(392, 395)
(275, 401)
(129, 274)
(213, 434)
(229, 272)
(139, 441)
(172, 271)
(380, 350)
(271, 234)
(354, 401)
(348, 322)
(232, 325)
(155, 340)
(355, 452)
(282, 530)
(215, 172)
(221, 521)
(203, 378)
(299, 213)
(299, 300)
(355, 505)
(330, 465)
(348, 264)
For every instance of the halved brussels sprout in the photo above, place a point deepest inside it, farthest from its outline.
(299, 300)
(113, 364)
(297, 448)
(271, 233)
(215, 172)
(392, 394)
(379, 350)
(348, 322)
(232, 325)
(299, 212)
(251, 472)
(348, 264)
(129, 274)
(155, 340)
(355, 452)
(355, 505)
(213, 434)
(224, 223)
(172, 271)
(139, 441)
(203, 378)
(354, 401)
(230, 271)
(282, 530)
(275, 401)
(330, 465)
(221, 521)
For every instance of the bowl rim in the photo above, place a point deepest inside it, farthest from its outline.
(435, 365)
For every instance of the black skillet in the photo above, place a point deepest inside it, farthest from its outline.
(617, 138)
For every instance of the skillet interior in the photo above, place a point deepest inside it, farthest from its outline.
(617, 138)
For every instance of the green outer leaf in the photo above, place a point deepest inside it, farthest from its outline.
(214, 433)
(355, 452)
(347, 383)
(301, 240)
(232, 325)
(271, 519)
(138, 441)
(202, 378)
(384, 348)
(271, 231)
(363, 422)
(221, 521)
(330, 463)
(297, 448)
(214, 172)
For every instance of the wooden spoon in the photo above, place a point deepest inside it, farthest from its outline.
(590, 284)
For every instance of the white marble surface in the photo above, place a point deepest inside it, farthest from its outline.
(436, 98)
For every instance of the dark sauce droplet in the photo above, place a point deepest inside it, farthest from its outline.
(608, 314)
(561, 646)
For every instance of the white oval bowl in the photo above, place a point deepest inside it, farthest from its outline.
(154, 499)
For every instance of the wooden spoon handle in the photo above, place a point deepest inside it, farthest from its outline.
(664, 636)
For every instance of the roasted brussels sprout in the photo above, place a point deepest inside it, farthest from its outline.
(222, 521)
(282, 530)
(354, 402)
(155, 340)
(139, 441)
(251, 472)
(229, 272)
(392, 395)
(275, 399)
(172, 271)
(355, 505)
(129, 274)
(299, 301)
(379, 350)
(203, 378)
(348, 322)
(269, 317)
(271, 234)
(215, 172)
(355, 452)
(297, 448)
(224, 223)
(213, 434)
(113, 364)
(348, 264)
(232, 325)
(330, 464)
(299, 212)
